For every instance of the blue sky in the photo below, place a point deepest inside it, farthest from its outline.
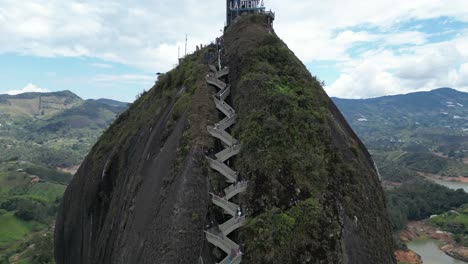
(112, 49)
(88, 77)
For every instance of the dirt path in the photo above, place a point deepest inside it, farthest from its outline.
(399, 156)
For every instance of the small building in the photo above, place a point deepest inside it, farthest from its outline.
(235, 8)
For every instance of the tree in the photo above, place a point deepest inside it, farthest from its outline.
(451, 154)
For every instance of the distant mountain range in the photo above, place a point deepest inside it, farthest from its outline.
(440, 108)
(423, 131)
(48, 104)
(55, 129)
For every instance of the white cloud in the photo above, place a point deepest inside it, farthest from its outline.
(383, 72)
(144, 34)
(459, 77)
(147, 33)
(29, 88)
(300, 23)
(350, 37)
(378, 69)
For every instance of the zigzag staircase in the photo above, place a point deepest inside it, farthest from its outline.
(219, 236)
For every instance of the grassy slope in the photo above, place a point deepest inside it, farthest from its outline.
(455, 222)
(59, 134)
(16, 185)
(13, 229)
(38, 104)
(59, 139)
(418, 199)
(401, 165)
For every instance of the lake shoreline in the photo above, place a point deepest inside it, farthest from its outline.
(419, 229)
(430, 176)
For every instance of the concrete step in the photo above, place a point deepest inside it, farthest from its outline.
(226, 122)
(223, 94)
(236, 260)
(231, 176)
(228, 207)
(234, 190)
(219, 242)
(232, 224)
(227, 153)
(224, 107)
(215, 82)
(222, 135)
(212, 68)
(223, 72)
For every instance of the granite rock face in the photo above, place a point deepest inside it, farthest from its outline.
(142, 194)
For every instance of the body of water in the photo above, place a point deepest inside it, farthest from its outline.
(451, 184)
(430, 253)
(427, 248)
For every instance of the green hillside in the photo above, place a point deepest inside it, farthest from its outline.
(59, 136)
(410, 135)
(27, 207)
(38, 133)
(422, 132)
(37, 104)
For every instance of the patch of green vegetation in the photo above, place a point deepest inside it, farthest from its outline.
(25, 207)
(454, 221)
(58, 138)
(181, 105)
(428, 162)
(282, 119)
(418, 199)
(36, 248)
(13, 228)
(147, 109)
(290, 236)
(49, 192)
(396, 173)
(295, 147)
(38, 133)
(423, 125)
(48, 174)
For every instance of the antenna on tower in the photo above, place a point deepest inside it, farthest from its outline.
(178, 52)
(185, 44)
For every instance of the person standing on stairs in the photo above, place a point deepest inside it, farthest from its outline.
(233, 254)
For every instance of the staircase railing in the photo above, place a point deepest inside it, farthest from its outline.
(232, 148)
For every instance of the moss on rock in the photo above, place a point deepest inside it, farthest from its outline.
(309, 175)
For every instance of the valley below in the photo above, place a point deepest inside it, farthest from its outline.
(418, 142)
(42, 150)
(453, 183)
(433, 245)
(41, 147)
